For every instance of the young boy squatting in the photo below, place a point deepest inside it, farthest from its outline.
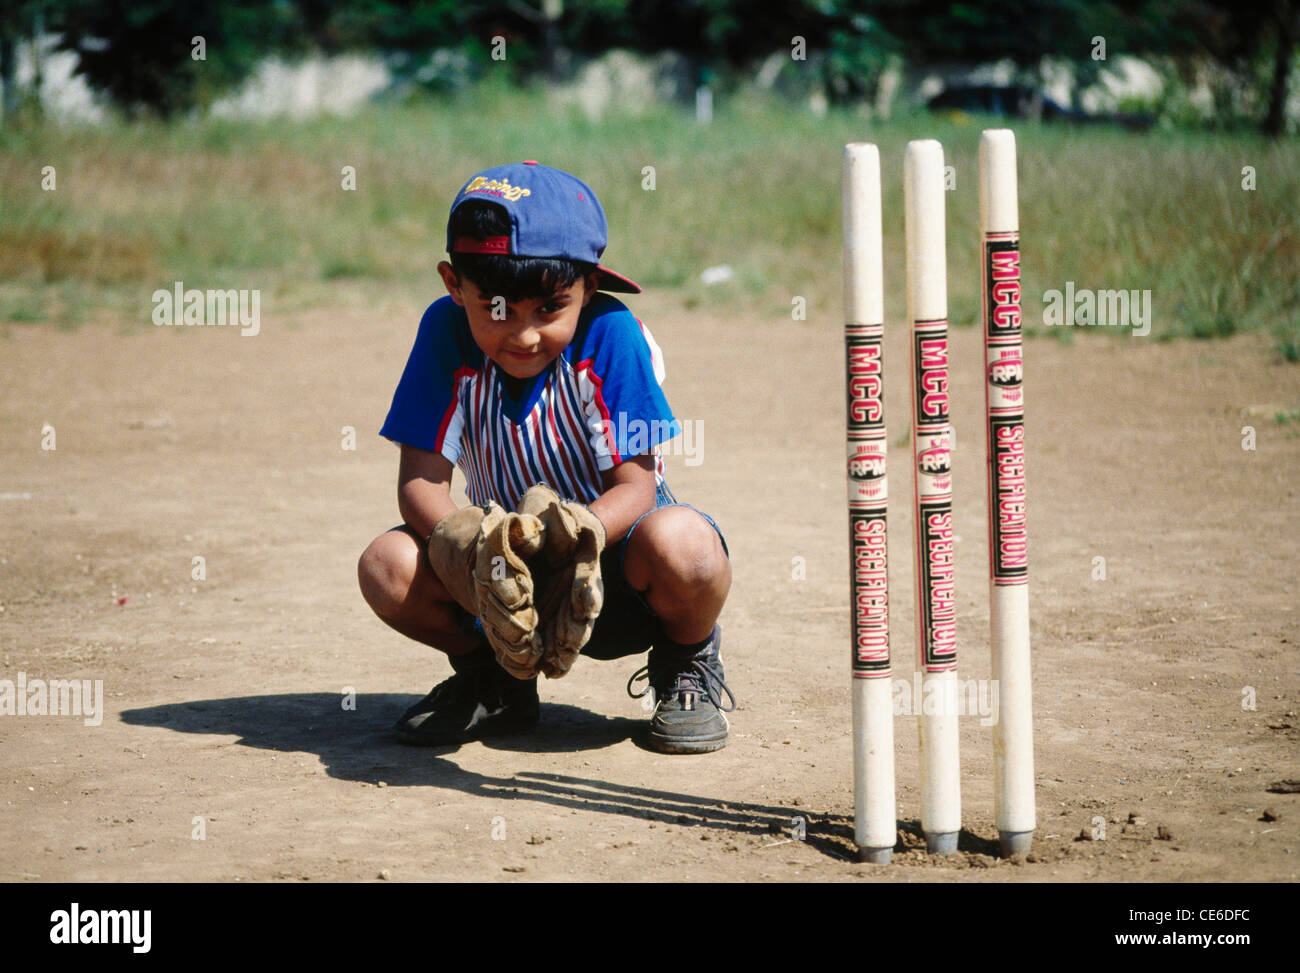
(528, 373)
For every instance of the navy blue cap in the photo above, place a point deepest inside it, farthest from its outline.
(552, 214)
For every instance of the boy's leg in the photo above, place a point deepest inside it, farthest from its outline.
(401, 588)
(480, 699)
(676, 558)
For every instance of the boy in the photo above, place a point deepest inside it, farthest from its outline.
(525, 373)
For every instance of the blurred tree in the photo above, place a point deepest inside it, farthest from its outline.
(141, 52)
(736, 33)
(1286, 14)
(416, 27)
(1251, 38)
(1243, 35)
(19, 20)
(1026, 31)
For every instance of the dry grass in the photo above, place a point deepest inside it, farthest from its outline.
(222, 205)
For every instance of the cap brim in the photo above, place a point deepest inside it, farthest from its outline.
(610, 281)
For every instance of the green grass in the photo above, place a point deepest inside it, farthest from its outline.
(216, 204)
(1286, 339)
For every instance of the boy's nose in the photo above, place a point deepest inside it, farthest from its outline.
(528, 335)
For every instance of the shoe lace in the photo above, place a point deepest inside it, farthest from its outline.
(642, 673)
(699, 676)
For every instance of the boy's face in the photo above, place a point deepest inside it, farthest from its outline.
(523, 337)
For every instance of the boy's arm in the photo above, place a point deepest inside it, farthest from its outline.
(629, 492)
(424, 489)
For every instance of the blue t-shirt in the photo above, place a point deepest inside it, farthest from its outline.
(599, 403)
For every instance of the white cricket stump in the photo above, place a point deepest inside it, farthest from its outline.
(1013, 734)
(940, 773)
(875, 825)
(1013, 746)
(927, 311)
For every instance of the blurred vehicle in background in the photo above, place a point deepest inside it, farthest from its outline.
(1024, 101)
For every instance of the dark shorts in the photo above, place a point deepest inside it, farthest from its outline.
(626, 625)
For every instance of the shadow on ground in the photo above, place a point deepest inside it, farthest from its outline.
(355, 745)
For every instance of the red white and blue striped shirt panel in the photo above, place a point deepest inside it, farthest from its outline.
(599, 403)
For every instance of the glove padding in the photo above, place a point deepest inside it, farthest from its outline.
(569, 590)
(479, 554)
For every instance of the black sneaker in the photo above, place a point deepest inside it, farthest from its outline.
(689, 717)
(479, 700)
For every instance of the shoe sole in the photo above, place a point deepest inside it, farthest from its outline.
(666, 744)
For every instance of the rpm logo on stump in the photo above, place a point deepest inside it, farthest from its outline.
(934, 464)
(867, 472)
(1007, 371)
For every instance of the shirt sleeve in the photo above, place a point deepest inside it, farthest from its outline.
(426, 411)
(627, 412)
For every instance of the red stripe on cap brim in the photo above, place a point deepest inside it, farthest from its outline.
(492, 244)
(610, 281)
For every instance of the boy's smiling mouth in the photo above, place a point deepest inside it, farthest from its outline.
(522, 357)
(521, 364)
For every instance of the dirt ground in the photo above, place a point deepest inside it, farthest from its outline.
(226, 696)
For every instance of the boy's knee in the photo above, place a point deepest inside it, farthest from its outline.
(386, 570)
(676, 545)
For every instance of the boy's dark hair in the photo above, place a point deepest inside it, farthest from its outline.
(514, 278)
